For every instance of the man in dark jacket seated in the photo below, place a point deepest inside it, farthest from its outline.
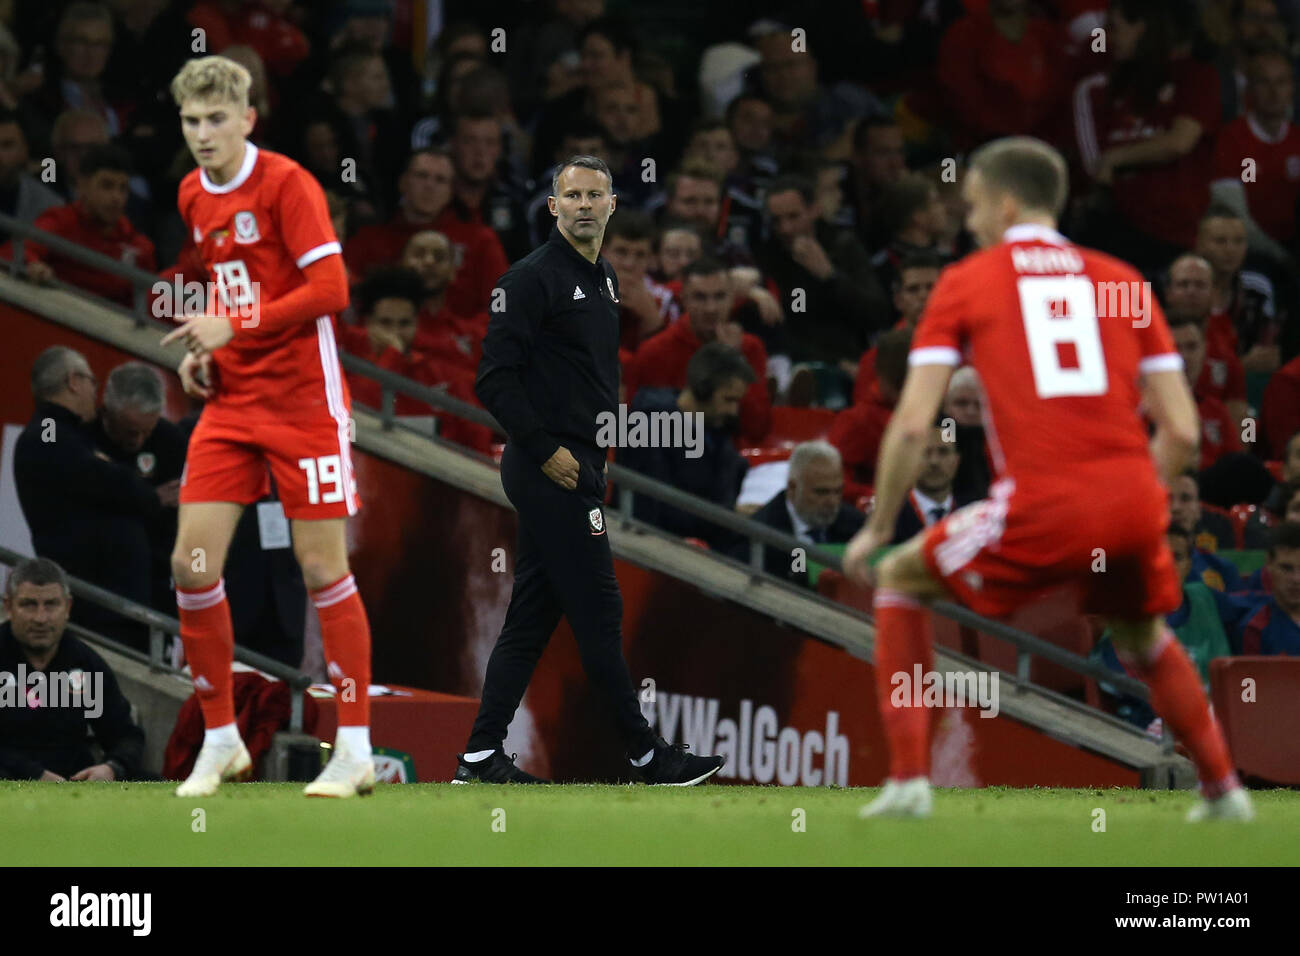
(811, 508)
(933, 497)
(88, 513)
(57, 696)
(703, 462)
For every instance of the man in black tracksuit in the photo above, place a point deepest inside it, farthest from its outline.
(549, 367)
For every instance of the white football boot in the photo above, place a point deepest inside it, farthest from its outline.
(215, 765)
(343, 776)
(1233, 805)
(909, 799)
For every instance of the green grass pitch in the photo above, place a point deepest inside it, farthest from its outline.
(260, 824)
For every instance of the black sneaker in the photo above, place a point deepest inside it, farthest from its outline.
(672, 766)
(497, 768)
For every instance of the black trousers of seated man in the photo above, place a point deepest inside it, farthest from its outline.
(563, 566)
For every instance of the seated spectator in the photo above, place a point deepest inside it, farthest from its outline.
(357, 103)
(264, 26)
(858, 430)
(645, 306)
(1275, 503)
(97, 220)
(663, 360)
(425, 188)
(912, 285)
(749, 118)
(1002, 71)
(811, 508)
(1219, 434)
(630, 116)
(75, 133)
(1270, 624)
(389, 302)
(1280, 409)
(1189, 289)
(22, 195)
(440, 332)
(1245, 319)
(878, 160)
(712, 143)
(89, 514)
(693, 193)
(1145, 127)
(320, 151)
(932, 497)
(964, 404)
(481, 194)
(1260, 525)
(677, 245)
(131, 431)
(75, 723)
(74, 75)
(1265, 135)
(915, 219)
(1199, 623)
(607, 47)
(1210, 531)
(807, 113)
(842, 302)
(716, 379)
(1186, 514)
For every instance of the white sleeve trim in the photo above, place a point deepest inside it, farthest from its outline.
(1168, 362)
(320, 252)
(934, 355)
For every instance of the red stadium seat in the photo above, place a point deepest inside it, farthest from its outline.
(1261, 728)
(790, 426)
(698, 543)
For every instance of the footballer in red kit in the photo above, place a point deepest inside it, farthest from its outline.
(264, 359)
(1066, 384)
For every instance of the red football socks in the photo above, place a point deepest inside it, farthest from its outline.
(209, 642)
(1177, 696)
(345, 634)
(902, 641)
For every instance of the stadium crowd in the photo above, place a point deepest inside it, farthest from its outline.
(788, 194)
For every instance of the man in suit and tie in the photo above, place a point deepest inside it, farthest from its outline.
(931, 498)
(811, 508)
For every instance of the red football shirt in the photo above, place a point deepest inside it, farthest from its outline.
(1062, 383)
(661, 362)
(255, 235)
(1272, 194)
(122, 242)
(1165, 200)
(1219, 434)
(477, 251)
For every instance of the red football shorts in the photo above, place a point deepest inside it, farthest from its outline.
(998, 554)
(311, 460)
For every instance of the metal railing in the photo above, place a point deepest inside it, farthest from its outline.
(628, 482)
(160, 628)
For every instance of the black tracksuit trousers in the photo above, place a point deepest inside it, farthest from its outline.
(563, 566)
